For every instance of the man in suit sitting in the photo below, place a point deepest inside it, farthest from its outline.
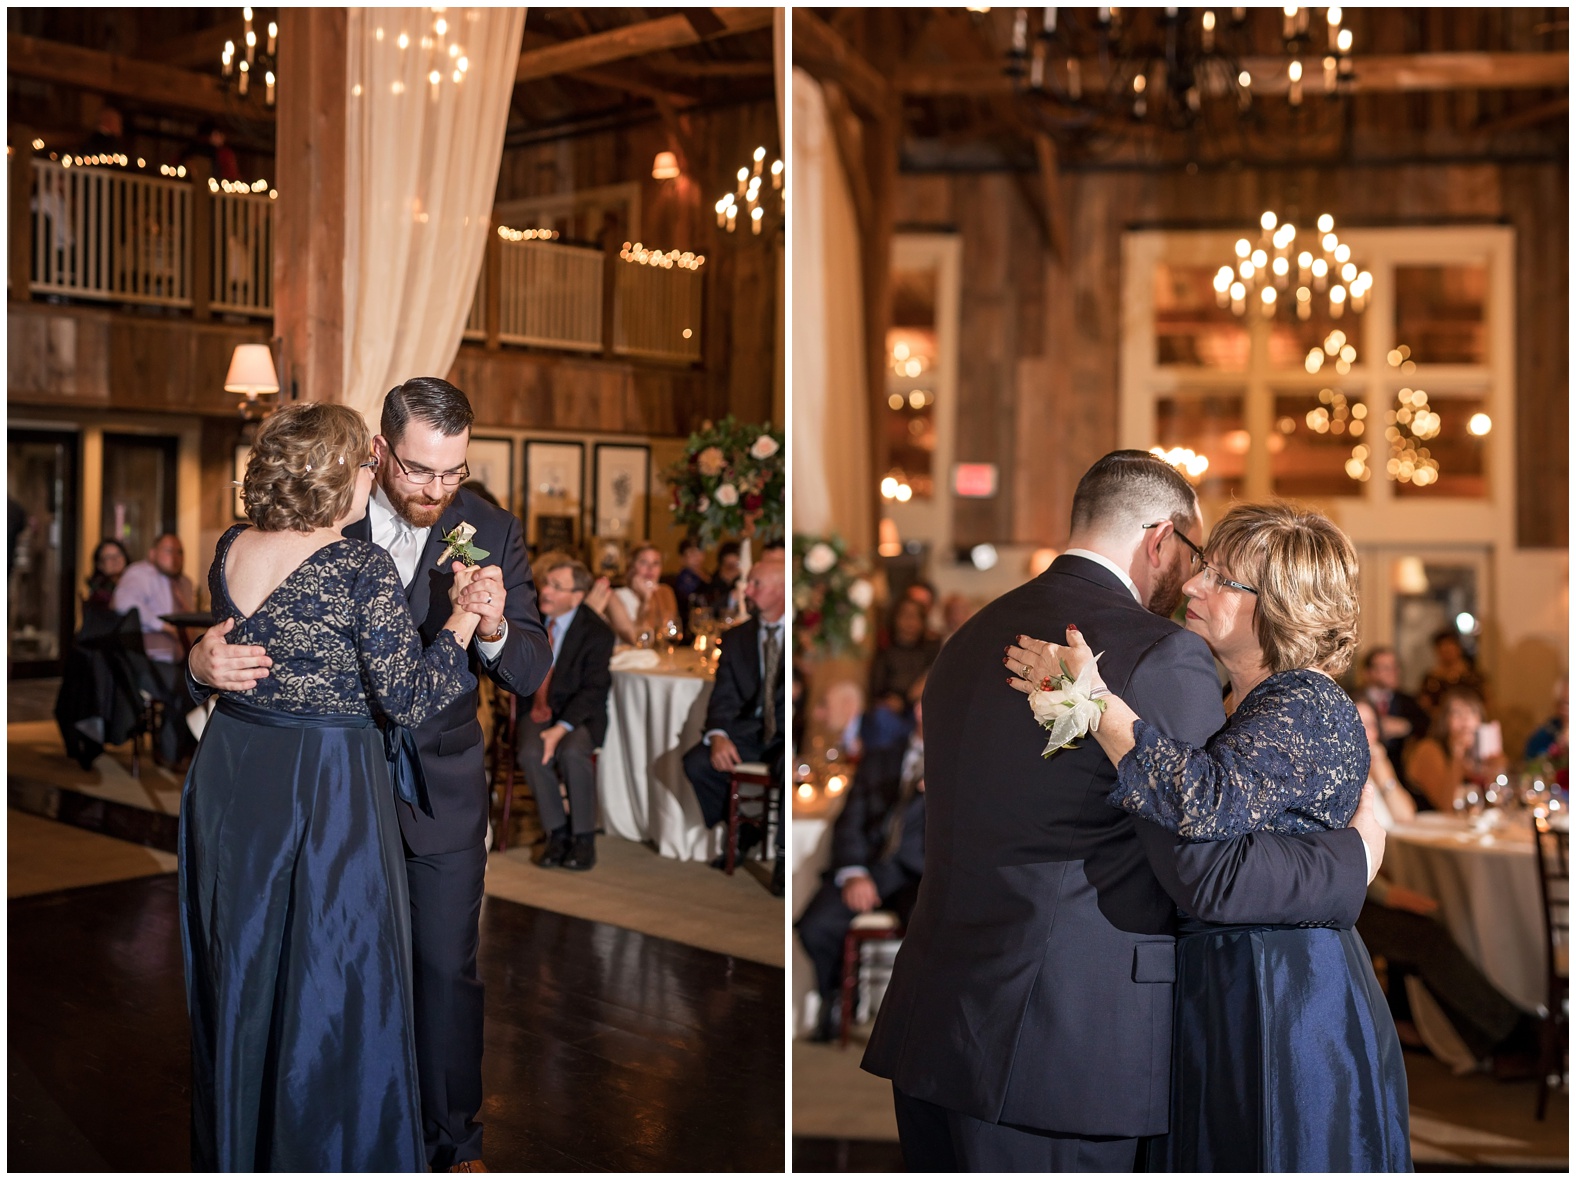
(568, 717)
(878, 854)
(744, 722)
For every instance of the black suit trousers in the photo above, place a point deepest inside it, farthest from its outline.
(824, 924)
(711, 785)
(935, 1139)
(445, 912)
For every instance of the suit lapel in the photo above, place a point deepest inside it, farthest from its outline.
(428, 576)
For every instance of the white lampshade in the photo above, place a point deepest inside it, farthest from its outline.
(251, 371)
(665, 166)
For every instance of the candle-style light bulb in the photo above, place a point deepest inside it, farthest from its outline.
(273, 36)
(246, 73)
(269, 97)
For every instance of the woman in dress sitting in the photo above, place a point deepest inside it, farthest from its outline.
(1446, 756)
(1284, 1054)
(295, 918)
(643, 605)
(110, 560)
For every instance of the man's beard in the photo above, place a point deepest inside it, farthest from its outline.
(1166, 594)
(416, 509)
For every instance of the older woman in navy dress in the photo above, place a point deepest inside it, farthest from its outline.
(294, 915)
(1284, 1054)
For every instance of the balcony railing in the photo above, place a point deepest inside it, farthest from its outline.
(114, 236)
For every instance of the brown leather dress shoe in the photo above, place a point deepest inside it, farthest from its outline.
(469, 1166)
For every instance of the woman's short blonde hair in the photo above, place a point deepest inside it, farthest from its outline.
(1305, 570)
(302, 473)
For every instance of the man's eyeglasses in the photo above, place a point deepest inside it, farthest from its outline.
(421, 478)
(1198, 563)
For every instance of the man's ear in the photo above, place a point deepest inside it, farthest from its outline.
(1153, 539)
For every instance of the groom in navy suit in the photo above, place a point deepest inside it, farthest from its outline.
(416, 502)
(1028, 1022)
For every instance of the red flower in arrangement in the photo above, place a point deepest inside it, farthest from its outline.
(810, 618)
(752, 503)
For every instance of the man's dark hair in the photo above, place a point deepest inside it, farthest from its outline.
(727, 549)
(1374, 653)
(687, 544)
(426, 399)
(1131, 489)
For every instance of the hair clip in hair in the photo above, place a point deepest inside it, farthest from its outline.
(340, 459)
(309, 467)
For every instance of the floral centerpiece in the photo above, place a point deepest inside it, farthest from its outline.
(730, 482)
(831, 596)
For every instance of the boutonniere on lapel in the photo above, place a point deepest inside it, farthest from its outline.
(458, 547)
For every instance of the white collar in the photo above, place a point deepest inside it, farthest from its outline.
(1101, 559)
(382, 516)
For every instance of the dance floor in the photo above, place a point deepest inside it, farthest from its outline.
(607, 1049)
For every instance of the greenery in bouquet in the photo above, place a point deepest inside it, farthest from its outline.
(831, 596)
(730, 482)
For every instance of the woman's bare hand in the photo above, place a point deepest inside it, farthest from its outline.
(1034, 662)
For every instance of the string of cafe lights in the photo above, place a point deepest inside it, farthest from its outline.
(638, 253)
(527, 235)
(169, 171)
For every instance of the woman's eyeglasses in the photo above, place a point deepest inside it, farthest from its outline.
(1216, 578)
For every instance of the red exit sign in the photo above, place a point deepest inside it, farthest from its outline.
(975, 481)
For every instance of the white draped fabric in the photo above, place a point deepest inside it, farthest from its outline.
(832, 480)
(421, 172)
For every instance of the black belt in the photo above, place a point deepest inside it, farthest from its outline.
(399, 743)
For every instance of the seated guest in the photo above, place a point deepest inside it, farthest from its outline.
(1399, 924)
(955, 611)
(689, 586)
(900, 663)
(155, 587)
(722, 593)
(878, 854)
(110, 560)
(1401, 718)
(1452, 669)
(568, 717)
(1446, 757)
(643, 605)
(744, 720)
(1552, 736)
(838, 715)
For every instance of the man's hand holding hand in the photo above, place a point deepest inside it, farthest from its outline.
(225, 666)
(485, 597)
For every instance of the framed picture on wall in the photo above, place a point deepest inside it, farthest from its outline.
(554, 495)
(623, 491)
(243, 452)
(491, 461)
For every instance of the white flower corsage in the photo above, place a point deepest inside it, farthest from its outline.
(1068, 706)
(457, 545)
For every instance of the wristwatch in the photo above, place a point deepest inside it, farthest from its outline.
(503, 629)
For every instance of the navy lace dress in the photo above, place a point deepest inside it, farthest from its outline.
(1284, 1055)
(295, 921)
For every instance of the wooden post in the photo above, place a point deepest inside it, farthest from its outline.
(492, 285)
(309, 218)
(197, 174)
(21, 227)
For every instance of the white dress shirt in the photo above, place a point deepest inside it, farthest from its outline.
(387, 527)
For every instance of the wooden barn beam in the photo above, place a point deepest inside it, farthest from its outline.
(822, 50)
(668, 32)
(205, 45)
(107, 73)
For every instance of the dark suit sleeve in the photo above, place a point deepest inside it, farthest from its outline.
(727, 693)
(526, 656)
(1262, 877)
(596, 680)
(848, 833)
(908, 862)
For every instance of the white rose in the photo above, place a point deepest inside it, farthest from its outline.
(727, 495)
(821, 558)
(1048, 706)
(764, 447)
(862, 594)
(856, 629)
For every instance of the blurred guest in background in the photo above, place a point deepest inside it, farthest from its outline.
(1447, 756)
(955, 611)
(838, 715)
(690, 585)
(878, 856)
(568, 717)
(642, 605)
(900, 662)
(153, 587)
(477, 487)
(110, 560)
(1552, 737)
(109, 134)
(209, 145)
(1401, 718)
(722, 592)
(744, 718)
(1453, 668)
(1399, 924)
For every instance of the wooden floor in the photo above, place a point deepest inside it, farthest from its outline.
(607, 1049)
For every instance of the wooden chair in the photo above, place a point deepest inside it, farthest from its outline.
(876, 926)
(758, 777)
(502, 756)
(1554, 879)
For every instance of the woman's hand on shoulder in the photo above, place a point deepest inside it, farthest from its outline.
(1034, 662)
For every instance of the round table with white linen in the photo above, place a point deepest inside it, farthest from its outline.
(1485, 877)
(654, 715)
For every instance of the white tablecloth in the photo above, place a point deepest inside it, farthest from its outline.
(1486, 884)
(653, 717)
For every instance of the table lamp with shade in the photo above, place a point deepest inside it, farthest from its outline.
(252, 373)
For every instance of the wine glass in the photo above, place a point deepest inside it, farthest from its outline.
(643, 640)
(672, 633)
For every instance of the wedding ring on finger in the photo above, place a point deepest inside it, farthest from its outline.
(1028, 673)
